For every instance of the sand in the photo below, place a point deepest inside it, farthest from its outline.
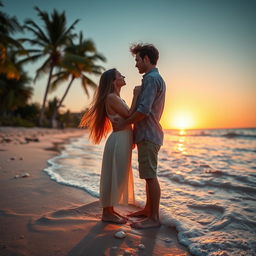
(40, 217)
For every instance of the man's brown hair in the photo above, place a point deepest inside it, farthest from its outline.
(146, 50)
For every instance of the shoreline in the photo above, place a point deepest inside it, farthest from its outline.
(40, 217)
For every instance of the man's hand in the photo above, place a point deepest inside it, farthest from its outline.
(136, 90)
(118, 124)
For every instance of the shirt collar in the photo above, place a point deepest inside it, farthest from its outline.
(151, 71)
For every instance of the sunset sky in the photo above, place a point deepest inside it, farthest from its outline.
(207, 53)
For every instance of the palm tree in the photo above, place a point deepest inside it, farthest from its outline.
(14, 93)
(50, 40)
(8, 45)
(79, 59)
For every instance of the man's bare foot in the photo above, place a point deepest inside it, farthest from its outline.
(113, 219)
(139, 214)
(147, 223)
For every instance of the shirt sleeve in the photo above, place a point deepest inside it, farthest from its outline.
(147, 96)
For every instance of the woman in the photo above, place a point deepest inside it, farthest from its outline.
(116, 184)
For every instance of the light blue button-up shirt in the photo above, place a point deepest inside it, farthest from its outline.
(151, 103)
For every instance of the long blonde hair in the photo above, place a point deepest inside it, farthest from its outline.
(96, 118)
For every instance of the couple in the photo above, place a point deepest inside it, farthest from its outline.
(108, 109)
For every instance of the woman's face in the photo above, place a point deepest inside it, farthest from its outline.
(119, 81)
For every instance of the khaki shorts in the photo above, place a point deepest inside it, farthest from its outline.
(147, 157)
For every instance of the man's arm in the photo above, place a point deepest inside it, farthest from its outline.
(134, 118)
(119, 124)
(143, 109)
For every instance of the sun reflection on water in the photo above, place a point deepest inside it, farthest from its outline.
(181, 147)
(182, 132)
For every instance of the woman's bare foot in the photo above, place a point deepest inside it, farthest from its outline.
(112, 218)
(119, 215)
(139, 214)
(147, 223)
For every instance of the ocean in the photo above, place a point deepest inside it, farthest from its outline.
(208, 182)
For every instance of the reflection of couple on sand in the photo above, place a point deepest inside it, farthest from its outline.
(116, 185)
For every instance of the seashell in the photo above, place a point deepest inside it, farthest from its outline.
(141, 246)
(127, 252)
(120, 234)
(24, 175)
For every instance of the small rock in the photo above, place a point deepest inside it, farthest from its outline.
(141, 246)
(22, 237)
(204, 165)
(25, 175)
(31, 139)
(12, 158)
(120, 234)
(16, 176)
(23, 142)
(114, 247)
(167, 240)
(21, 158)
(7, 140)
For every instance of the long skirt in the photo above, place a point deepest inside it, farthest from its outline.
(116, 183)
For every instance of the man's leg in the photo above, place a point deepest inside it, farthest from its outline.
(144, 212)
(152, 220)
(154, 197)
(147, 156)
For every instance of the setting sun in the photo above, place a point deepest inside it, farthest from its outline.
(182, 121)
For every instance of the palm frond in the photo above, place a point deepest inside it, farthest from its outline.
(87, 81)
(31, 59)
(43, 69)
(59, 78)
(98, 56)
(67, 33)
(32, 41)
(33, 27)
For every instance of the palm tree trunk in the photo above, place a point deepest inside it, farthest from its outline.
(41, 117)
(60, 102)
(66, 92)
(54, 123)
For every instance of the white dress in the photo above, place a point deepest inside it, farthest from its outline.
(116, 183)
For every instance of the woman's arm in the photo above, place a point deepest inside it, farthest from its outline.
(115, 103)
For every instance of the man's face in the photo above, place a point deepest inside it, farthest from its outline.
(140, 64)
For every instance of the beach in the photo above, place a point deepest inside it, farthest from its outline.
(38, 216)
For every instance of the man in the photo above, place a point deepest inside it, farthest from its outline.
(147, 130)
